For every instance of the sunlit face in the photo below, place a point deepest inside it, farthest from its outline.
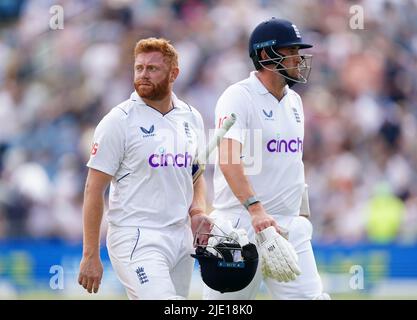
(153, 76)
(292, 61)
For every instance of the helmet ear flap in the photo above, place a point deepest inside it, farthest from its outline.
(256, 56)
(249, 252)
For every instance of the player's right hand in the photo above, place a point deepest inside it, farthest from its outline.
(91, 272)
(260, 219)
(201, 226)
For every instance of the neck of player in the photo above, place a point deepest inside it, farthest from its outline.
(273, 82)
(164, 105)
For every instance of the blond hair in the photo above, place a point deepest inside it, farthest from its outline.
(160, 45)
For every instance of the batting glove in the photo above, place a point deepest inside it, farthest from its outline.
(279, 260)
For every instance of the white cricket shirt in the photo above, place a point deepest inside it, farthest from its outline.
(150, 157)
(271, 133)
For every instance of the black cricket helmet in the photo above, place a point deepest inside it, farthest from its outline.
(227, 263)
(272, 35)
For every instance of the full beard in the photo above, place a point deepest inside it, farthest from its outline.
(153, 91)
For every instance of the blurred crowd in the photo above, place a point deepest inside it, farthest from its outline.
(360, 104)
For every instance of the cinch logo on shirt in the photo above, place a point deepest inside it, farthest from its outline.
(282, 145)
(169, 159)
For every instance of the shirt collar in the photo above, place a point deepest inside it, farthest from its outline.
(260, 88)
(135, 97)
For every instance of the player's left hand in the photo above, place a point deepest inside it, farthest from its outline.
(201, 226)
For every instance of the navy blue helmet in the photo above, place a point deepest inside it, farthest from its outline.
(228, 261)
(271, 36)
(224, 272)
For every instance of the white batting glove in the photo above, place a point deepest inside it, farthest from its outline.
(279, 260)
